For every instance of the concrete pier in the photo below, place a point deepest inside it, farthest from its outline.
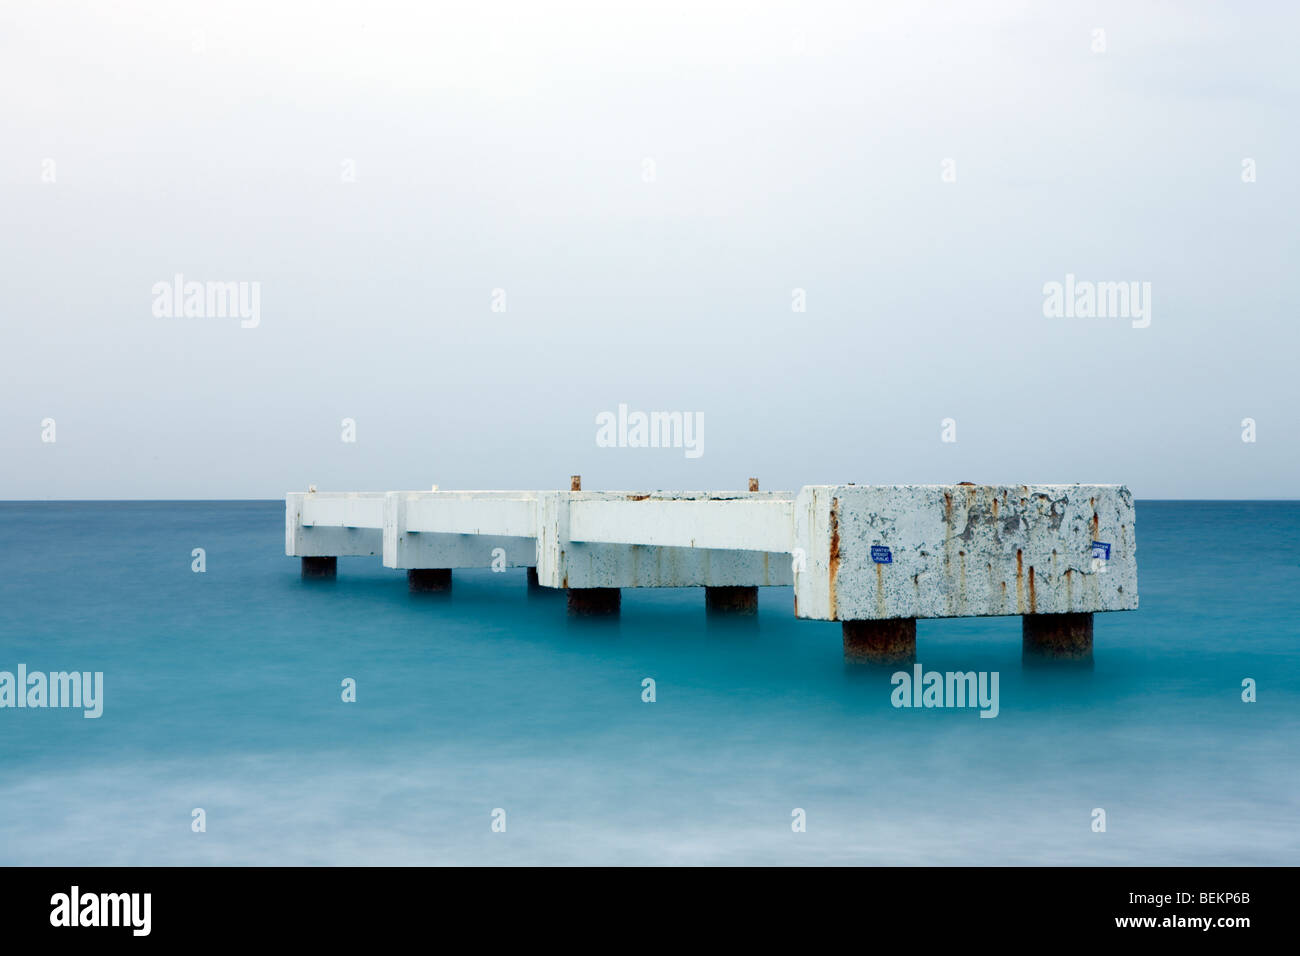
(320, 567)
(731, 600)
(1057, 637)
(589, 602)
(876, 558)
(890, 641)
(429, 579)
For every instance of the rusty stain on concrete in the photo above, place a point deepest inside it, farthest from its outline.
(834, 559)
(1020, 582)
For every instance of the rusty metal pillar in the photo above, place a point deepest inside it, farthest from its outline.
(429, 579)
(594, 601)
(320, 567)
(1057, 637)
(753, 484)
(731, 600)
(888, 641)
(575, 483)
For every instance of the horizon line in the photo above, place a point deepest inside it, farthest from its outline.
(279, 499)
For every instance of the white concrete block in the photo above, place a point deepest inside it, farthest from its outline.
(564, 560)
(325, 524)
(739, 521)
(918, 551)
(446, 529)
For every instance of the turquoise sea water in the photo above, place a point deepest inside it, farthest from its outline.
(222, 691)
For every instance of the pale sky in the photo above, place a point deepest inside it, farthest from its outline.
(648, 184)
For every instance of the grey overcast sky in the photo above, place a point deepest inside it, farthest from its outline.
(649, 185)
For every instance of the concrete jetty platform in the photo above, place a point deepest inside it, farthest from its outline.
(874, 557)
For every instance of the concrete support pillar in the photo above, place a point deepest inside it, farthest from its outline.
(320, 567)
(1060, 637)
(429, 579)
(731, 600)
(594, 601)
(889, 641)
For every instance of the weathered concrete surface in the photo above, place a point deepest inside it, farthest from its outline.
(963, 550)
(566, 561)
(889, 641)
(447, 529)
(1060, 637)
(731, 600)
(465, 522)
(714, 520)
(324, 524)
(477, 529)
(637, 566)
(852, 552)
